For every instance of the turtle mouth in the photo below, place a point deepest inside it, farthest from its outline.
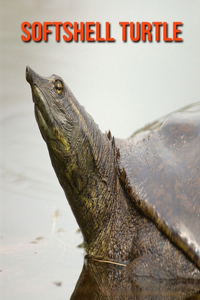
(43, 113)
(47, 123)
(38, 96)
(47, 133)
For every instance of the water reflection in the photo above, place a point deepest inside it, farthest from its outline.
(104, 281)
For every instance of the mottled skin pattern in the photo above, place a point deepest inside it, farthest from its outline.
(85, 161)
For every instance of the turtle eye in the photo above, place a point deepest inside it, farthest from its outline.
(59, 87)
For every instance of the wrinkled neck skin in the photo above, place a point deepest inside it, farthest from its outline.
(84, 160)
(89, 177)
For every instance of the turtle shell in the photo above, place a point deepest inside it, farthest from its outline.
(161, 163)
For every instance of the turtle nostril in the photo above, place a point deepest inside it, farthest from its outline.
(27, 69)
(30, 75)
(27, 74)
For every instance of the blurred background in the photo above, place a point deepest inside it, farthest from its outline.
(122, 85)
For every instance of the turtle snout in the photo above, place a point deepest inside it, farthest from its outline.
(30, 75)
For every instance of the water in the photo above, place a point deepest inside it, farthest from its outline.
(122, 85)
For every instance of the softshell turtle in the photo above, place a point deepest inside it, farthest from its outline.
(135, 200)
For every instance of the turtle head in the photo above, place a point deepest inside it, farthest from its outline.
(56, 113)
(81, 155)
